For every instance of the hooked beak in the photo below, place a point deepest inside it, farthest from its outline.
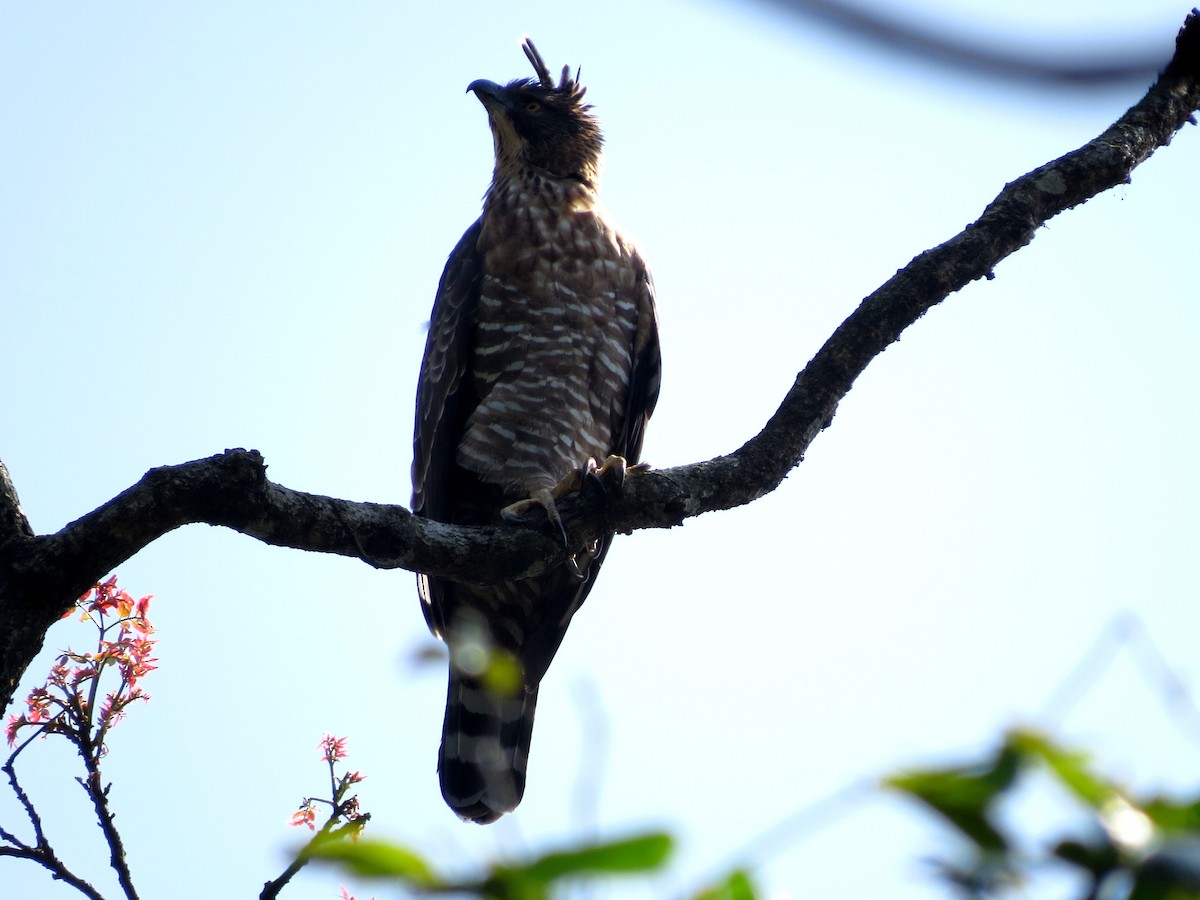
(497, 102)
(489, 93)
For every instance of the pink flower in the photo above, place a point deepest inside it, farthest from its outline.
(305, 815)
(332, 749)
(15, 723)
(62, 703)
(60, 673)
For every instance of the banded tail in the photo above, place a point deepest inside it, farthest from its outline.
(485, 748)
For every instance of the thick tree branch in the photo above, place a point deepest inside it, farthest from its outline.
(41, 575)
(12, 517)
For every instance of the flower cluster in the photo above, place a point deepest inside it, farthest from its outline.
(333, 750)
(306, 814)
(67, 703)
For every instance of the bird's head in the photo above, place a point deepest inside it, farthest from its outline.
(540, 124)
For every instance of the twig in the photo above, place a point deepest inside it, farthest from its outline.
(327, 832)
(42, 854)
(99, 798)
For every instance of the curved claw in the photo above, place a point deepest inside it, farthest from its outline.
(515, 512)
(609, 477)
(579, 570)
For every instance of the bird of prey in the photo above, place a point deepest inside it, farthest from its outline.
(542, 361)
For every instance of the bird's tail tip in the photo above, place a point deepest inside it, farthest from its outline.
(485, 749)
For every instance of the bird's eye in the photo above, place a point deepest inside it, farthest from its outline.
(532, 106)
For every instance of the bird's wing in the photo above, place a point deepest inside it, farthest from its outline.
(646, 377)
(442, 401)
(440, 404)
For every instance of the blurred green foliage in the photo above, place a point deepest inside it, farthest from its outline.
(1130, 847)
(1139, 848)
(533, 879)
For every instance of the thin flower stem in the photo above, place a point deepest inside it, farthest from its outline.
(272, 888)
(104, 817)
(99, 667)
(102, 732)
(73, 693)
(344, 820)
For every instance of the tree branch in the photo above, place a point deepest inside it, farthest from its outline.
(987, 56)
(41, 853)
(41, 575)
(12, 517)
(98, 794)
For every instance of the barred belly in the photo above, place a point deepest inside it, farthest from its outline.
(553, 358)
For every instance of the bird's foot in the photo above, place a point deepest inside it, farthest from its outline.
(606, 478)
(609, 477)
(545, 499)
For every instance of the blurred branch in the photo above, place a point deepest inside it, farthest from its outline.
(40, 576)
(992, 59)
(1126, 632)
(810, 819)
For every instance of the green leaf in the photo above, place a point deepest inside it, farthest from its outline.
(736, 887)
(1171, 815)
(376, 859)
(638, 854)
(532, 880)
(505, 884)
(964, 795)
(1069, 767)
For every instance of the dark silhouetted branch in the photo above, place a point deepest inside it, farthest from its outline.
(990, 56)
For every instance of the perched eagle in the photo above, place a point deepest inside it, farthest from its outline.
(542, 360)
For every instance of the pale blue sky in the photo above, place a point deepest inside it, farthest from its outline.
(222, 225)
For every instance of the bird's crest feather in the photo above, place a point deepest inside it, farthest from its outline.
(566, 85)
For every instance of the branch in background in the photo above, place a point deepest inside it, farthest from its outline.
(41, 575)
(1075, 66)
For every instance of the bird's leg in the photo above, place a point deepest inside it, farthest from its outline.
(607, 478)
(545, 498)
